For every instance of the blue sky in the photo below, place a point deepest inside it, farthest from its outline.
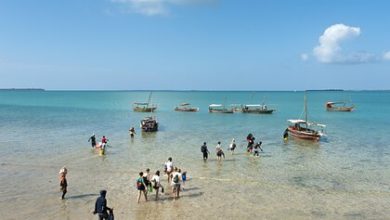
(195, 44)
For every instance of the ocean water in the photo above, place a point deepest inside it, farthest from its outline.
(345, 176)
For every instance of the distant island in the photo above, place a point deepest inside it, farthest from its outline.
(327, 90)
(23, 89)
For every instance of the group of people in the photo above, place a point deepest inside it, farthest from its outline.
(101, 146)
(252, 147)
(147, 183)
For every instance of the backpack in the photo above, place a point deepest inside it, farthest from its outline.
(139, 183)
(176, 178)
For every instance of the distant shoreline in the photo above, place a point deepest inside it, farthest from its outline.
(22, 89)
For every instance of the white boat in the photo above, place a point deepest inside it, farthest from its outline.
(219, 108)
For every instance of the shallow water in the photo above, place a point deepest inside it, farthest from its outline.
(345, 176)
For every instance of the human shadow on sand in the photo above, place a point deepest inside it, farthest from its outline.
(170, 197)
(82, 196)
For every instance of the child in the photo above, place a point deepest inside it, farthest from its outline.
(183, 178)
(63, 181)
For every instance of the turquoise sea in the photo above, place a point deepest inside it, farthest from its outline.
(345, 176)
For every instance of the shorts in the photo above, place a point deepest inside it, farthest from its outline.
(205, 155)
(219, 153)
(176, 186)
(142, 187)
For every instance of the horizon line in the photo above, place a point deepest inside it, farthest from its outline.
(183, 90)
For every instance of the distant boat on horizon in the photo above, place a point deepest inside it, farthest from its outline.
(219, 108)
(339, 106)
(186, 107)
(257, 108)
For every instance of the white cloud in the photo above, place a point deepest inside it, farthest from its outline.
(304, 56)
(156, 7)
(386, 56)
(329, 49)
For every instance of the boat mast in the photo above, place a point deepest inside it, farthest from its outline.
(150, 98)
(305, 101)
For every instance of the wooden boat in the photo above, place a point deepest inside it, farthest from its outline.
(186, 107)
(145, 106)
(149, 124)
(257, 108)
(338, 107)
(304, 129)
(218, 108)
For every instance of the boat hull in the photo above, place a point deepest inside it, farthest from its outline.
(186, 109)
(340, 109)
(149, 125)
(259, 111)
(221, 111)
(313, 136)
(144, 109)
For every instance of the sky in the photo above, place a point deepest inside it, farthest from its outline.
(195, 44)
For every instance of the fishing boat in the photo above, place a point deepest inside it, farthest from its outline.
(303, 129)
(149, 124)
(186, 107)
(339, 107)
(145, 106)
(219, 108)
(257, 108)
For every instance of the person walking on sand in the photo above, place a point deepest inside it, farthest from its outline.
(132, 132)
(92, 139)
(169, 168)
(219, 151)
(141, 187)
(176, 179)
(205, 151)
(63, 181)
(101, 206)
(157, 184)
(232, 146)
(147, 179)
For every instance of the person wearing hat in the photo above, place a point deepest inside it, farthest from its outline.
(101, 206)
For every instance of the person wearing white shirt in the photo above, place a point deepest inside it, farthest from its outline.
(156, 183)
(169, 169)
(219, 151)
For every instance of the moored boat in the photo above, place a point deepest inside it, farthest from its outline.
(186, 107)
(145, 106)
(303, 129)
(149, 124)
(257, 108)
(219, 108)
(339, 107)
